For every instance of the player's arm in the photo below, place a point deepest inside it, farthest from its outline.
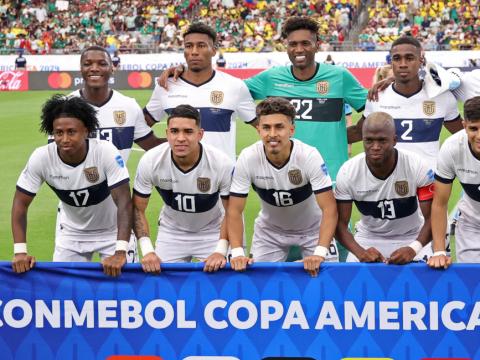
(439, 224)
(173, 71)
(346, 238)
(218, 259)
(236, 205)
(150, 141)
(354, 132)
(112, 265)
(22, 262)
(378, 87)
(454, 125)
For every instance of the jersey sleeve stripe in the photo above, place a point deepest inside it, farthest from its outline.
(344, 201)
(26, 192)
(225, 197)
(360, 109)
(144, 137)
(124, 181)
(319, 191)
(145, 111)
(138, 193)
(443, 180)
(251, 121)
(238, 195)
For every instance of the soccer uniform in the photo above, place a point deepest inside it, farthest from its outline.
(88, 220)
(289, 212)
(457, 160)
(189, 222)
(319, 102)
(220, 100)
(469, 86)
(391, 217)
(418, 119)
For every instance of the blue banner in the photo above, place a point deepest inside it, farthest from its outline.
(73, 311)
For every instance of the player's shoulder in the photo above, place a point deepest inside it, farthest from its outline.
(157, 151)
(252, 151)
(119, 98)
(456, 141)
(353, 164)
(409, 159)
(301, 149)
(227, 81)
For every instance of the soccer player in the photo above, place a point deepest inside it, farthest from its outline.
(292, 181)
(418, 118)
(191, 178)
(91, 181)
(387, 184)
(218, 96)
(459, 157)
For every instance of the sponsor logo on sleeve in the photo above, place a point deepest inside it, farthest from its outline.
(120, 161)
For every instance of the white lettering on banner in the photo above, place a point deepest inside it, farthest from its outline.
(10, 80)
(240, 314)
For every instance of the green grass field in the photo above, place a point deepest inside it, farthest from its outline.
(20, 122)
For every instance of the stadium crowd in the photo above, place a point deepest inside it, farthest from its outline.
(53, 27)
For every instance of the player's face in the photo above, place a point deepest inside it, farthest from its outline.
(96, 68)
(406, 62)
(183, 135)
(70, 134)
(275, 131)
(199, 51)
(378, 145)
(301, 48)
(473, 133)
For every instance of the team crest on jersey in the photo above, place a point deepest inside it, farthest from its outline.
(216, 97)
(429, 108)
(322, 87)
(91, 174)
(120, 117)
(203, 184)
(401, 187)
(295, 177)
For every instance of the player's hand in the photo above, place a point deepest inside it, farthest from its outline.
(112, 265)
(370, 255)
(379, 86)
(151, 263)
(240, 263)
(401, 256)
(215, 262)
(440, 261)
(22, 263)
(311, 264)
(174, 71)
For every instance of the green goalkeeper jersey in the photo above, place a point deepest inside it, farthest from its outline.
(319, 102)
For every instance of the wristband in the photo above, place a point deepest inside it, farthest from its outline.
(321, 251)
(146, 245)
(416, 246)
(121, 245)
(237, 252)
(222, 247)
(438, 253)
(20, 248)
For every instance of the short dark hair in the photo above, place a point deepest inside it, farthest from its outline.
(185, 111)
(201, 28)
(64, 106)
(407, 40)
(299, 23)
(95, 48)
(471, 109)
(276, 105)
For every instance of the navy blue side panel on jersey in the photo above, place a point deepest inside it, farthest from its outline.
(214, 119)
(89, 196)
(283, 198)
(189, 203)
(418, 130)
(472, 190)
(318, 109)
(121, 137)
(388, 209)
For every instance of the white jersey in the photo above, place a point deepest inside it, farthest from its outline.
(457, 160)
(287, 193)
(389, 207)
(220, 100)
(121, 121)
(84, 190)
(469, 86)
(418, 119)
(192, 198)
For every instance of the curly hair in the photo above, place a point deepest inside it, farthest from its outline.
(276, 105)
(299, 23)
(185, 111)
(471, 109)
(201, 28)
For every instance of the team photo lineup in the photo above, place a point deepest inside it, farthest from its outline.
(298, 163)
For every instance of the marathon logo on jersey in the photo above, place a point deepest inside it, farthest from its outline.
(401, 187)
(429, 108)
(120, 117)
(203, 184)
(295, 177)
(216, 97)
(322, 87)
(92, 174)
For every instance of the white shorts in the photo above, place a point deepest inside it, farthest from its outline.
(269, 245)
(179, 247)
(467, 242)
(387, 247)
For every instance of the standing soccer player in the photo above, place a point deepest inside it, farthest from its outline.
(291, 179)
(191, 178)
(91, 181)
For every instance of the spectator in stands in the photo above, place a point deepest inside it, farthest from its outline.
(221, 62)
(20, 62)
